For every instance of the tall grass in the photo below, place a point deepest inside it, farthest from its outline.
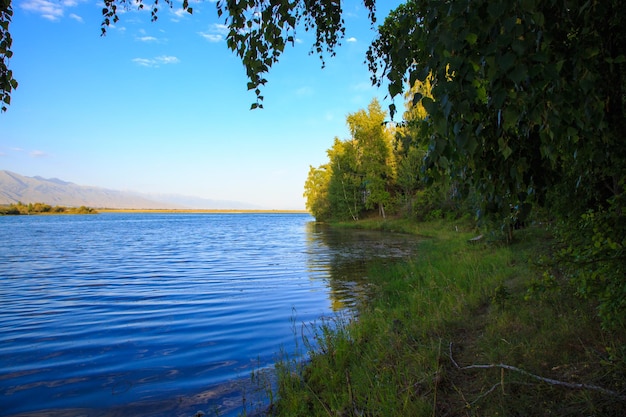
(457, 304)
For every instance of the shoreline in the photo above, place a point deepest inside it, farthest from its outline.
(208, 211)
(443, 327)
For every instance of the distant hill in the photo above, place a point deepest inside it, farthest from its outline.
(15, 187)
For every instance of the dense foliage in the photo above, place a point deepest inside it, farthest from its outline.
(41, 208)
(360, 174)
(378, 171)
(7, 82)
(527, 109)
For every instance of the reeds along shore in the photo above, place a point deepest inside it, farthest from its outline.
(462, 330)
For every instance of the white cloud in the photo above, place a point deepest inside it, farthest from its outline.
(38, 154)
(76, 17)
(211, 37)
(50, 10)
(144, 62)
(167, 59)
(147, 39)
(178, 14)
(156, 62)
(216, 33)
(351, 39)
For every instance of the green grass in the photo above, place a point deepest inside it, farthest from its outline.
(458, 304)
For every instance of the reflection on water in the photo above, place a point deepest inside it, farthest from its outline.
(165, 314)
(348, 254)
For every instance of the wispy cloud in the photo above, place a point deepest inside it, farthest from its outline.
(76, 17)
(50, 9)
(147, 39)
(211, 37)
(47, 9)
(178, 14)
(216, 33)
(33, 154)
(166, 59)
(38, 154)
(351, 39)
(156, 62)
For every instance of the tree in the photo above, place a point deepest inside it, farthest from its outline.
(410, 147)
(521, 90)
(374, 158)
(528, 106)
(7, 82)
(316, 192)
(345, 191)
(360, 173)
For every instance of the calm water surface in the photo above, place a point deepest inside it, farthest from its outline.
(165, 314)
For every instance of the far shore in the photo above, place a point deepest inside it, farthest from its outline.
(215, 211)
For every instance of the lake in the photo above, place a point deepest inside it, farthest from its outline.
(166, 314)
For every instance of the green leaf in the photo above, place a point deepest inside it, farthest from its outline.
(505, 149)
(510, 118)
(620, 59)
(539, 18)
(471, 38)
(392, 110)
(416, 98)
(395, 89)
(495, 9)
(429, 105)
(519, 74)
(506, 61)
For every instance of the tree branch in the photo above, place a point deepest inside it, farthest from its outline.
(540, 378)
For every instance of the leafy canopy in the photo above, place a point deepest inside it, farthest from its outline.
(7, 82)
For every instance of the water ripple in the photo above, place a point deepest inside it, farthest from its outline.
(119, 313)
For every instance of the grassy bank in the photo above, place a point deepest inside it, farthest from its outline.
(463, 329)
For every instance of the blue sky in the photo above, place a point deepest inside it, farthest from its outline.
(163, 107)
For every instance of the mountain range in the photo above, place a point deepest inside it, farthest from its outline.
(55, 192)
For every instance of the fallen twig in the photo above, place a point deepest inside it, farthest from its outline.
(540, 378)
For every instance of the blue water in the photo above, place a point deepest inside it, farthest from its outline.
(164, 314)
